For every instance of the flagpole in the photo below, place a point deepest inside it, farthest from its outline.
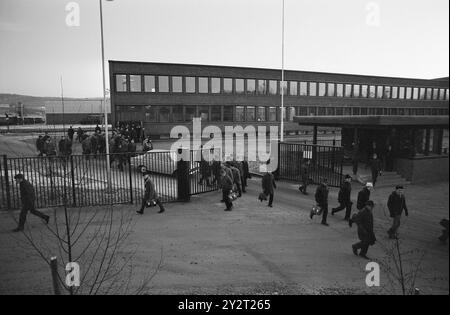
(282, 74)
(108, 166)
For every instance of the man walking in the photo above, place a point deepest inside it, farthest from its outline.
(269, 186)
(226, 183)
(70, 133)
(304, 176)
(150, 196)
(396, 204)
(321, 197)
(364, 196)
(27, 196)
(375, 167)
(366, 235)
(236, 178)
(344, 198)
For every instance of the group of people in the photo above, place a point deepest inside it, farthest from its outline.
(232, 181)
(45, 145)
(131, 131)
(396, 204)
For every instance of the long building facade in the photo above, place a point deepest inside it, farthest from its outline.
(161, 96)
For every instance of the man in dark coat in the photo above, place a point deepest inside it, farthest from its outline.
(49, 148)
(375, 168)
(364, 196)
(40, 145)
(321, 197)
(396, 204)
(80, 133)
(236, 178)
(151, 196)
(304, 177)
(226, 184)
(366, 235)
(70, 133)
(98, 129)
(269, 186)
(344, 198)
(245, 175)
(27, 196)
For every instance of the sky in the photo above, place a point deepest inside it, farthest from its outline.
(41, 41)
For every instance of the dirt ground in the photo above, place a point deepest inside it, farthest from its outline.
(254, 249)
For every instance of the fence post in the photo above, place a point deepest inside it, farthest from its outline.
(55, 276)
(131, 180)
(72, 173)
(7, 188)
(183, 180)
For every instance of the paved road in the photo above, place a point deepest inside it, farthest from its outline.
(255, 249)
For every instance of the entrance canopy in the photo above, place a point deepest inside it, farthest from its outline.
(373, 121)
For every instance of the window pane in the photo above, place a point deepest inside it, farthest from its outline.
(135, 83)
(150, 113)
(312, 111)
(356, 111)
(401, 93)
(261, 114)
(436, 94)
(283, 87)
(164, 114)
(364, 111)
(190, 85)
(240, 113)
(340, 90)
(356, 90)
(293, 88)
(322, 111)
(163, 84)
(394, 92)
(216, 113)
(312, 89)
(273, 87)
(408, 93)
(250, 113)
(177, 113)
(228, 86)
(177, 84)
(304, 88)
(348, 90)
(330, 111)
(372, 91)
(302, 111)
(215, 85)
(272, 114)
(251, 86)
(387, 92)
(121, 83)
(429, 93)
(228, 113)
(442, 94)
(339, 111)
(203, 85)
(239, 86)
(331, 89)
(380, 91)
(322, 89)
(149, 83)
(189, 113)
(416, 93)
(365, 91)
(262, 87)
(203, 113)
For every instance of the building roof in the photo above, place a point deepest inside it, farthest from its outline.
(373, 121)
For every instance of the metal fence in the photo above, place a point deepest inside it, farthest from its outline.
(324, 162)
(80, 181)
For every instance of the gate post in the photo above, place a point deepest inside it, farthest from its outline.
(72, 173)
(8, 190)
(131, 181)
(183, 179)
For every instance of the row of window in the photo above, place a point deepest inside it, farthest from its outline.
(167, 114)
(206, 85)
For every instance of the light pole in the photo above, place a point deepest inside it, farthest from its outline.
(108, 166)
(282, 74)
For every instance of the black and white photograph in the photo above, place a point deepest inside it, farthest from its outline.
(228, 155)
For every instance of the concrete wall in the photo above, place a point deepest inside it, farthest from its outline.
(424, 169)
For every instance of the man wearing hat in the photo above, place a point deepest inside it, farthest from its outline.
(27, 196)
(364, 196)
(321, 197)
(396, 204)
(366, 235)
(344, 198)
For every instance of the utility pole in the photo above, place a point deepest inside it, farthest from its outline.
(282, 74)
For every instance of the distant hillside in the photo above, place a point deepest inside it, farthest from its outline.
(37, 101)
